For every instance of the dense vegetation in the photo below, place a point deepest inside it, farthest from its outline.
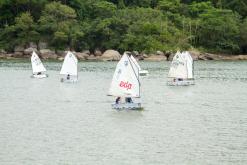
(142, 25)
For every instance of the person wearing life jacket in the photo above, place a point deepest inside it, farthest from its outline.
(128, 100)
(118, 100)
(68, 77)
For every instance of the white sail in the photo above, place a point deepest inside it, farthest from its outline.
(135, 62)
(125, 81)
(189, 61)
(69, 65)
(37, 65)
(178, 67)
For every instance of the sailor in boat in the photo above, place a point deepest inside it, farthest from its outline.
(177, 79)
(118, 100)
(128, 100)
(68, 77)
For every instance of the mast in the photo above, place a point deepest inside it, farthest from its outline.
(137, 77)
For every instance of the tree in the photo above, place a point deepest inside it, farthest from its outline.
(219, 30)
(57, 25)
(21, 33)
(243, 34)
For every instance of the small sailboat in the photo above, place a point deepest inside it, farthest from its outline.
(141, 72)
(181, 70)
(125, 84)
(37, 67)
(69, 68)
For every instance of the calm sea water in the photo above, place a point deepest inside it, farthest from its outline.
(48, 122)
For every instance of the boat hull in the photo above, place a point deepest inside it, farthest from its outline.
(40, 76)
(181, 83)
(128, 106)
(63, 80)
(143, 72)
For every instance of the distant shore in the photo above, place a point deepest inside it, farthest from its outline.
(112, 55)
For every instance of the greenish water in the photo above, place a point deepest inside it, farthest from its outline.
(48, 122)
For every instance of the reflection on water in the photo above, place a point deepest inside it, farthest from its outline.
(48, 122)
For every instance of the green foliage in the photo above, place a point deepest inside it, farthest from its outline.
(219, 30)
(21, 33)
(59, 26)
(143, 25)
(243, 35)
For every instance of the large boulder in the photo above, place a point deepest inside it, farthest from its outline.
(135, 53)
(81, 56)
(2, 51)
(195, 54)
(155, 58)
(33, 45)
(97, 53)
(61, 53)
(48, 54)
(110, 55)
(29, 51)
(19, 48)
(92, 57)
(42, 45)
(239, 57)
(170, 57)
(18, 54)
(160, 53)
(86, 52)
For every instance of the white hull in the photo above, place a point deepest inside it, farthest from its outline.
(64, 80)
(39, 76)
(181, 83)
(143, 72)
(130, 106)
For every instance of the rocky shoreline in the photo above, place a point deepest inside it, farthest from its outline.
(110, 55)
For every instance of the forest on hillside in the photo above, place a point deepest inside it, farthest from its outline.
(218, 26)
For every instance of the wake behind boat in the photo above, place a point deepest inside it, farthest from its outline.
(37, 67)
(181, 70)
(125, 85)
(69, 69)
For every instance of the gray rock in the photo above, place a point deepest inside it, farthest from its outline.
(42, 45)
(153, 57)
(18, 54)
(60, 58)
(46, 51)
(170, 57)
(29, 51)
(135, 53)
(86, 52)
(160, 53)
(81, 56)
(2, 55)
(195, 55)
(33, 45)
(2, 51)
(61, 53)
(97, 53)
(19, 49)
(9, 55)
(110, 55)
(48, 54)
(92, 57)
(144, 55)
